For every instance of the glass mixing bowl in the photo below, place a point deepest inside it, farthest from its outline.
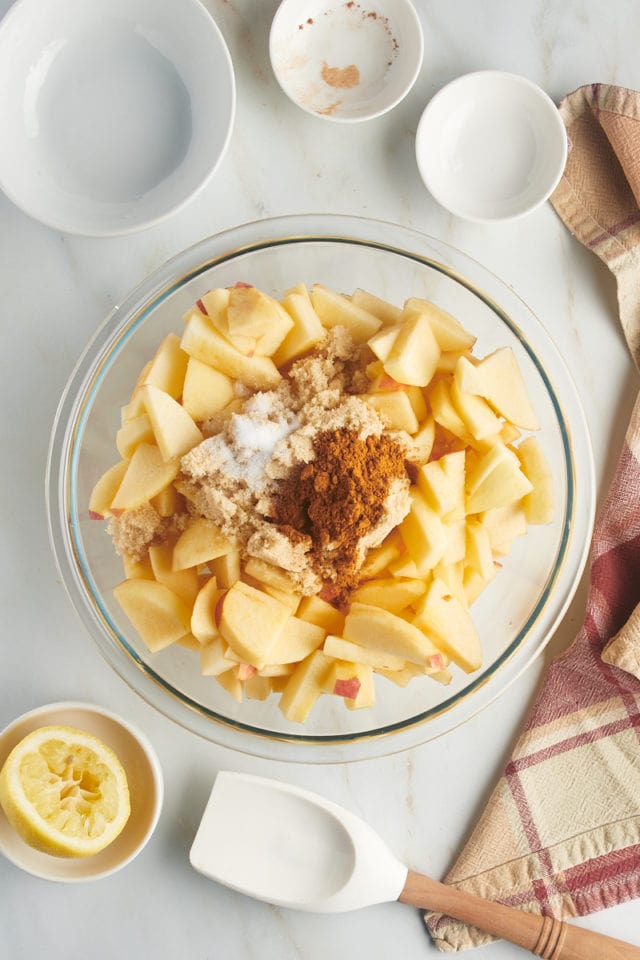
(515, 615)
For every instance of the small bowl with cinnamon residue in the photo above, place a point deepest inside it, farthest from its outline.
(346, 60)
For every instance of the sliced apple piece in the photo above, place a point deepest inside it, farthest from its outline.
(206, 390)
(422, 442)
(159, 615)
(380, 557)
(214, 304)
(495, 480)
(444, 412)
(343, 679)
(413, 357)
(354, 652)
(504, 524)
(304, 686)
(290, 600)
(147, 474)
(478, 417)
(539, 503)
(366, 695)
(199, 543)
(447, 329)
(380, 630)
(279, 671)
(316, 610)
(441, 614)
(251, 312)
(466, 376)
(306, 332)
(257, 687)
(167, 369)
(227, 568)
(395, 410)
(380, 308)
(203, 615)
(442, 483)
(229, 681)
(504, 388)
(105, 490)
(452, 575)
(404, 566)
(391, 593)
(456, 534)
(132, 433)
(202, 341)
(269, 573)
(168, 502)
(382, 341)
(473, 584)
(251, 621)
(479, 555)
(297, 640)
(335, 310)
(137, 569)
(423, 533)
(173, 428)
(183, 582)
(213, 659)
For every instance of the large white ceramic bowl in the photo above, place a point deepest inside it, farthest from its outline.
(113, 115)
(491, 146)
(515, 615)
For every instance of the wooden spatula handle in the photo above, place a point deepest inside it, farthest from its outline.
(543, 936)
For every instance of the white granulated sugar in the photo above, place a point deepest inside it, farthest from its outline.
(252, 443)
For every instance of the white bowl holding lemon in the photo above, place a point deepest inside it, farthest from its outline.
(81, 791)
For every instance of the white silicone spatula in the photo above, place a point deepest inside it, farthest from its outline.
(290, 847)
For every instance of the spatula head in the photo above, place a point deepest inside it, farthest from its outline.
(288, 846)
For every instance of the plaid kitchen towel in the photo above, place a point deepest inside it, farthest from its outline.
(561, 833)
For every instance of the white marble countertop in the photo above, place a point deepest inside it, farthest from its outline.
(56, 289)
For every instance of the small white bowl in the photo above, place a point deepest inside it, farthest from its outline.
(344, 60)
(146, 789)
(113, 115)
(491, 146)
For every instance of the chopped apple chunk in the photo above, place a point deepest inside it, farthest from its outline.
(174, 430)
(539, 503)
(251, 621)
(202, 341)
(304, 686)
(105, 490)
(159, 615)
(335, 310)
(504, 388)
(441, 614)
(146, 475)
(380, 630)
(414, 354)
(201, 542)
(206, 390)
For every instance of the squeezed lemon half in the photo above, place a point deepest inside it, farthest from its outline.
(65, 792)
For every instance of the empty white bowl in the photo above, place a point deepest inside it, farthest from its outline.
(113, 115)
(491, 146)
(144, 777)
(346, 61)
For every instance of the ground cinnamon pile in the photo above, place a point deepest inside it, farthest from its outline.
(338, 498)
